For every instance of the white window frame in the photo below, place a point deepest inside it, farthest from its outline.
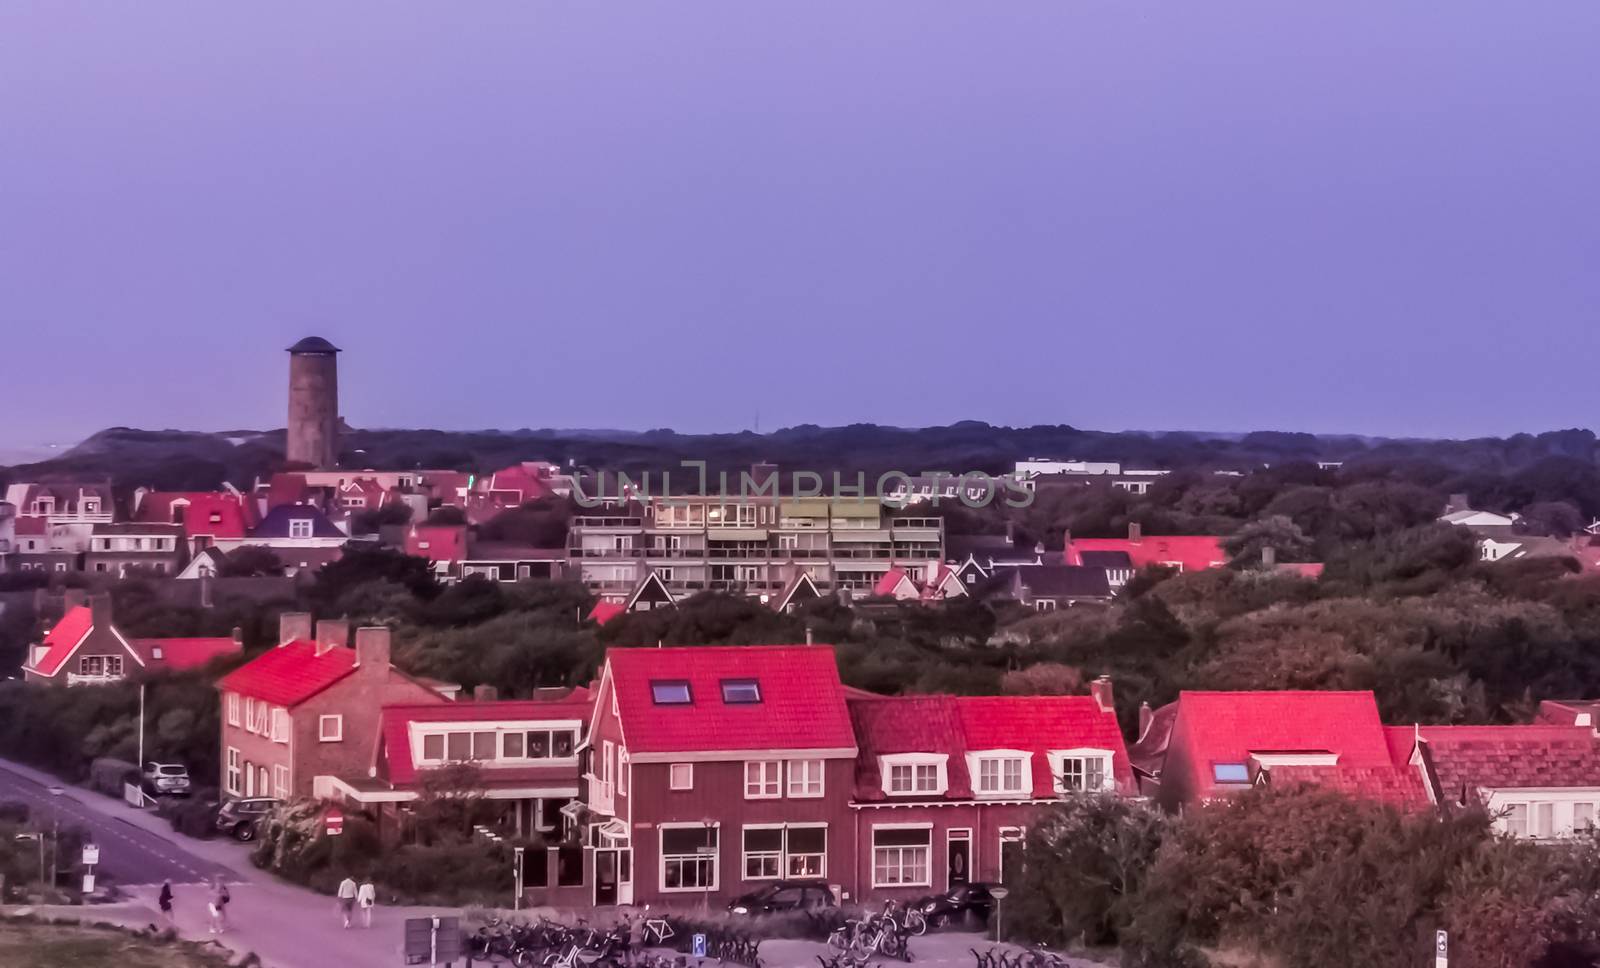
(280, 725)
(1058, 761)
(300, 527)
(767, 783)
(775, 856)
(901, 852)
(789, 854)
(280, 781)
(233, 709)
(1000, 759)
(233, 778)
(807, 779)
(941, 776)
(337, 734)
(687, 776)
(715, 856)
(622, 770)
(784, 857)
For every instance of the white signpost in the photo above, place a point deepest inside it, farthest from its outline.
(1441, 949)
(91, 857)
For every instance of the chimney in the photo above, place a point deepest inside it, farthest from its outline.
(238, 636)
(100, 608)
(810, 638)
(73, 597)
(1458, 502)
(485, 694)
(1269, 557)
(294, 627)
(1135, 532)
(1100, 689)
(372, 649)
(1146, 717)
(332, 633)
(205, 591)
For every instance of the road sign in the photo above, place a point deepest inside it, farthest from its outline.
(698, 948)
(1441, 949)
(334, 819)
(91, 855)
(88, 883)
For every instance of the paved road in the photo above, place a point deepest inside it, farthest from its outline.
(129, 855)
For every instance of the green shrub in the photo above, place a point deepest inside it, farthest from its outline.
(194, 815)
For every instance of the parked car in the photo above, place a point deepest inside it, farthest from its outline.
(965, 902)
(784, 896)
(169, 779)
(240, 816)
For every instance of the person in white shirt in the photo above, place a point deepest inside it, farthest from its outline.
(347, 899)
(366, 899)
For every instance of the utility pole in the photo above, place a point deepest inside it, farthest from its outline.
(141, 727)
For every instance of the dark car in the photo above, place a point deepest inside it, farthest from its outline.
(240, 816)
(961, 904)
(784, 896)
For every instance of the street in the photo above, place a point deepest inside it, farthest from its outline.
(129, 854)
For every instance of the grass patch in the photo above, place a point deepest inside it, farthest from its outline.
(40, 944)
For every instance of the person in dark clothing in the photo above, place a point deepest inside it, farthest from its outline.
(164, 900)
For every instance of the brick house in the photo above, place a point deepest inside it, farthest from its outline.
(945, 786)
(86, 648)
(309, 708)
(714, 770)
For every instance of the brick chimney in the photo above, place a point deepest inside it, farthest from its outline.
(73, 597)
(1100, 689)
(294, 627)
(332, 633)
(1135, 532)
(100, 608)
(372, 649)
(485, 693)
(238, 636)
(1269, 557)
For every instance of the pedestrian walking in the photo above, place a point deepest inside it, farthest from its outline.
(366, 899)
(223, 900)
(636, 938)
(214, 907)
(347, 898)
(164, 901)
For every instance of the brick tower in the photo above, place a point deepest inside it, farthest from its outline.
(313, 403)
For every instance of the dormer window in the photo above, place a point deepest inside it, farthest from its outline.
(739, 692)
(1230, 773)
(1001, 773)
(913, 774)
(1081, 770)
(298, 527)
(670, 692)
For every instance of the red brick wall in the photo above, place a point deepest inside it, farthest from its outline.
(359, 698)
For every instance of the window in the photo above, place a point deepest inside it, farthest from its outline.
(1544, 817)
(761, 779)
(622, 770)
(300, 527)
(233, 709)
(913, 773)
(234, 777)
(1582, 817)
(900, 856)
(330, 729)
(680, 776)
(280, 725)
(740, 691)
(458, 747)
(1086, 770)
(280, 782)
(100, 665)
(670, 692)
(763, 853)
(261, 719)
(689, 858)
(1515, 821)
(807, 850)
(1230, 773)
(483, 745)
(805, 778)
(433, 747)
(514, 744)
(1000, 775)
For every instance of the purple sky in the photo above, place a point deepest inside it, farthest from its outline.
(1378, 216)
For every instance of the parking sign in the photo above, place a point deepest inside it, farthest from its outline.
(699, 947)
(1441, 949)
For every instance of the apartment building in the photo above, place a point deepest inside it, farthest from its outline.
(755, 546)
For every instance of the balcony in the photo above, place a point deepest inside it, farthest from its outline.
(602, 795)
(606, 552)
(74, 679)
(599, 522)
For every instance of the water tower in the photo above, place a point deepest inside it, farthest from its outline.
(313, 403)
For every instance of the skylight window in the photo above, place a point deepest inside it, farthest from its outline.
(670, 692)
(740, 691)
(1230, 772)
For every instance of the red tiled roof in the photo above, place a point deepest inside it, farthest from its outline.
(445, 542)
(1400, 787)
(216, 513)
(397, 720)
(527, 481)
(32, 526)
(1465, 759)
(1193, 551)
(290, 674)
(889, 582)
(1226, 727)
(63, 638)
(1565, 712)
(604, 612)
(286, 489)
(802, 702)
(955, 725)
(188, 653)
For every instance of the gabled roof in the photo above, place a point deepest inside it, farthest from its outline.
(527, 481)
(1399, 786)
(63, 639)
(957, 725)
(437, 542)
(604, 611)
(946, 584)
(219, 514)
(801, 587)
(1464, 761)
(895, 583)
(1227, 727)
(186, 653)
(396, 723)
(1063, 581)
(290, 674)
(1566, 712)
(801, 707)
(1194, 552)
(276, 523)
